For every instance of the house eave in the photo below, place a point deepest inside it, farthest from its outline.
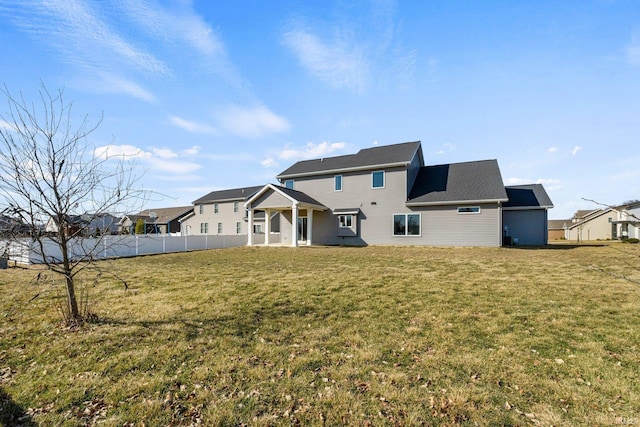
(343, 170)
(456, 202)
(525, 208)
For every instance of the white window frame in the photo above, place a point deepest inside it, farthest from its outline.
(337, 178)
(257, 229)
(204, 227)
(201, 209)
(348, 221)
(406, 224)
(373, 179)
(215, 208)
(238, 227)
(289, 183)
(219, 228)
(469, 210)
(235, 206)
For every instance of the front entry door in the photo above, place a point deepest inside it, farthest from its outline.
(302, 229)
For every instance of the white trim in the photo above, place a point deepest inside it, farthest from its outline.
(384, 179)
(479, 210)
(406, 225)
(341, 182)
(455, 202)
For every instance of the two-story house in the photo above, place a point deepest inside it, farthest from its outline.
(386, 195)
(220, 213)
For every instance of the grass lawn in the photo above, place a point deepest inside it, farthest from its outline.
(329, 335)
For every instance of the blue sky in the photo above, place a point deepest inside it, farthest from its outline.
(210, 95)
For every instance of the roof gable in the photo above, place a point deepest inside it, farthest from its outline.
(367, 158)
(294, 196)
(478, 181)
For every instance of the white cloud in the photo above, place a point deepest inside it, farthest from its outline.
(6, 125)
(192, 151)
(158, 159)
(340, 63)
(252, 122)
(191, 126)
(576, 149)
(311, 151)
(269, 162)
(552, 149)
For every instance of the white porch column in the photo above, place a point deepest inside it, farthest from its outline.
(294, 225)
(267, 227)
(250, 225)
(309, 225)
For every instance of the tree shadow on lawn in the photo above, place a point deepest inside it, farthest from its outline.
(242, 323)
(12, 414)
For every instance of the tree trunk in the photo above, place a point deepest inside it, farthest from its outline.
(71, 299)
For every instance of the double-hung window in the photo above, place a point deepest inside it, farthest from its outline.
(204, 227)
(238, 228)
(215, 208)
(377, 179)
(219, 228)
(337, 183)
(201, 209)
(406, 225)
(235, 206)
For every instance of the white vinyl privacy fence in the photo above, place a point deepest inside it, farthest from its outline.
(26, 251)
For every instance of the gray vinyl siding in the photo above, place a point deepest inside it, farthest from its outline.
(444, 226)
(377, 205)
(529, 227)
(271, 199)
(225, 215)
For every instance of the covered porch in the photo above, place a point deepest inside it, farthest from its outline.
(296, 211)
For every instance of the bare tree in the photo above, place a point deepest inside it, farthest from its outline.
(50, 173)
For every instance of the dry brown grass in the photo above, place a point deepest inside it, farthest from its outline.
(311, 336)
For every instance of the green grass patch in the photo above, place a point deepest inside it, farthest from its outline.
(330, 335)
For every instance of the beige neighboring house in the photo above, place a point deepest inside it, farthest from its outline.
(220, 213)
(610, 223)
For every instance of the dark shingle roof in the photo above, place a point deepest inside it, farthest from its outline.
(365, 158)
(164, 215)
(458, 182)
(299, 196)
(532, 195)
(242, 193)
(558, 224)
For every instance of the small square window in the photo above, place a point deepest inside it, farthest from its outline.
(289, 184)
(377, 179)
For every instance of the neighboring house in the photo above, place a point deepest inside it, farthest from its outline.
(85, 225)
(221, 213)
(593, 225)
(156, 221)
(557, 228)
(628, 222)
(386, 195)
(11, 227)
